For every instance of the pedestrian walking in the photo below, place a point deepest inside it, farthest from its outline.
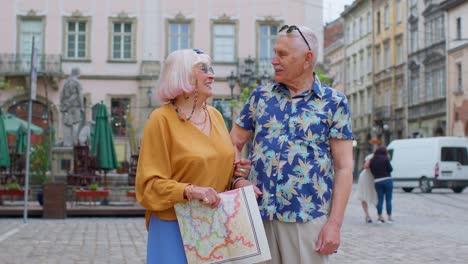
(381, 169)
(365, 191)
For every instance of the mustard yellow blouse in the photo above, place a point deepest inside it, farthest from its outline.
(173, 154)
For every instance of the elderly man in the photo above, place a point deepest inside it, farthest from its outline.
(301, 153)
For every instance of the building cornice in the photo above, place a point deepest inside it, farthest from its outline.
(449, 4)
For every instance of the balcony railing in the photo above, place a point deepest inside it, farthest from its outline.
(20, 63)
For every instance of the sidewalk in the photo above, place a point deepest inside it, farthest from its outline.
(429, 228)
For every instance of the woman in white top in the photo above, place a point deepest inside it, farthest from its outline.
(365, 191)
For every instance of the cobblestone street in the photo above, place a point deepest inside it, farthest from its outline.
(428, 228)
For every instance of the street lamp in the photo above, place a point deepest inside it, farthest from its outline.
(149, 93)
(232, 83)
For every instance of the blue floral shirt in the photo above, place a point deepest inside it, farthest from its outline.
(291, 159)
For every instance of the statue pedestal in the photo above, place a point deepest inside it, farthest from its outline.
(62, 158)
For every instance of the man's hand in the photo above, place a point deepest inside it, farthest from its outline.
(329, 239)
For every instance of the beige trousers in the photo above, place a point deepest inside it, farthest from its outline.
(294, 243)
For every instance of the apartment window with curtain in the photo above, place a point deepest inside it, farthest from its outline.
(400, 87)
(399, 46)
(76, 39)
(440, 73)
(414, 8)
(379, 59)
(378, 22)
(399, 11)
(179, 36)
(369, 100)
(361, 103)
(123, 39)
(387, 17)
(369, 22)
(369, 60)
(414, 38)
(430, 78)
(362, 65)
(119, 110)
(361, 27)
(224, 42)
(459, 28)
(355, 31)
(266, 40)
(459, 77)
(387, 55)
(354, 67)
(348, 70)
(414, 91)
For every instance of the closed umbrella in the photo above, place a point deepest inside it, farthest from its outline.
(103, 142)
(21, 140)
(13, 123)
(4, 154)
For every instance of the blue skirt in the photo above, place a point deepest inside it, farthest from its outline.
(165, 242)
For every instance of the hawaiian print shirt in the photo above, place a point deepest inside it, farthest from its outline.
(291, 159)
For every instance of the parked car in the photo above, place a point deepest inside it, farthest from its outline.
(427, 163)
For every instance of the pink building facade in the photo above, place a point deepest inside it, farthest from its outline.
(119, 47)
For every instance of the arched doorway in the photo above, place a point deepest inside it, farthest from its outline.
(40, 117)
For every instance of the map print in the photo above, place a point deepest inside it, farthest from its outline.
(231, 233)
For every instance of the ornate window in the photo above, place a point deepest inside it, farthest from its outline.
(224, 40)
(77, 35)
(179, 32)
(123, 38)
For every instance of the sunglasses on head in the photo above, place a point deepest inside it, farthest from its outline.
(205, 68)
(198, 51)
(289, 29)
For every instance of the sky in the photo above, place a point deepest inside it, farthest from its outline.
(333, 8)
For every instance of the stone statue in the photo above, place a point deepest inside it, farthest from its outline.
(72, 108)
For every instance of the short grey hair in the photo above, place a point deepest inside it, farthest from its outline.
(309, 36)
(312, 40)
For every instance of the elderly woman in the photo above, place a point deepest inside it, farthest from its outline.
(186, 152)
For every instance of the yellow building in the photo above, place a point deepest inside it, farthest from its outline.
(389, 108)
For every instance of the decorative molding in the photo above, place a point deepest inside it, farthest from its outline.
(77, 13)
(180, 16)
(32, 12)
(224, 18)
(123, 14)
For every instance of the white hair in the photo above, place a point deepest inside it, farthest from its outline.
(177, 73)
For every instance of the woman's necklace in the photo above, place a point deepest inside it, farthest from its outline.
(181, 115)
(201, 122)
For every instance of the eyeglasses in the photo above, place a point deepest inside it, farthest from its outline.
(205, 68)
(291, 28)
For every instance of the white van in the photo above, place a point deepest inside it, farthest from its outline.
(437, 162)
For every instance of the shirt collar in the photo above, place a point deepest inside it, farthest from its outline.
(317, 88)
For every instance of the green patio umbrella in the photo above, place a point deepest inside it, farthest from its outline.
(13, 123)
(103, 142)
(4, 153)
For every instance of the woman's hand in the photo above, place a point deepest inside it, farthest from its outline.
(206, 195)
(243, 182)
(242, 168)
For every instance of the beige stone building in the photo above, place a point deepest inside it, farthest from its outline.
(457, 66)
(389, 104)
